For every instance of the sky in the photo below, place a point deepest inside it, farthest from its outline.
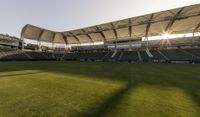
(63, 15)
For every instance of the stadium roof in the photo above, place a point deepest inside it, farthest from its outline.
(180, 20)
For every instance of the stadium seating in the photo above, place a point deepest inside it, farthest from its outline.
(130, 56)
(37, 55)
(49, 55)
(144, 56)
(99, 56)
(12, 54)
(157, 55)
(69, 56)
(164, 55)
(195, 53)
(177, 55)
(85, 56)
(108, 56)
(58, 55)
(111, 57)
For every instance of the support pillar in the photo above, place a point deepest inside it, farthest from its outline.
(52, 45)
(22, 41)
(130, 45)
(146, 42)
(39, 45)
(115, 45)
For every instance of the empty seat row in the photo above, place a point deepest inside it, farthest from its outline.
(177, 55)
(140, 55)
(12, 54)
(37, 55)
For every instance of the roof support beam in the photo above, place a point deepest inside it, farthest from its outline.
(54, 36)
(115, 31)
(148, 26)
(77, 39)
(172, 21)
(91, 40)
(40, 35)
(130, 33)
(39, 39)
(147, 30)
(102, 34)
(130, 28)
(65, 38)
(196, 28)
(53, 39)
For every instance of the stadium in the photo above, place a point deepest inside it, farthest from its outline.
(143, 66)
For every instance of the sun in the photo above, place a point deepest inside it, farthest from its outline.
(165, 35)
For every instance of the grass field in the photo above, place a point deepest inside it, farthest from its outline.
(89, 89)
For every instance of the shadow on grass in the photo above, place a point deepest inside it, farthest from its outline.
(172, 76)
(108, 104)
(98, 70)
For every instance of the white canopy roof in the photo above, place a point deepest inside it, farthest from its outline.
(180, 20)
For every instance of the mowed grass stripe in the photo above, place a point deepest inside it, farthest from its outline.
(89, 89)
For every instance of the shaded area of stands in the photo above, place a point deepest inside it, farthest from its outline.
(163, 55)
(130, 56)
(177, 55)
(12, 54)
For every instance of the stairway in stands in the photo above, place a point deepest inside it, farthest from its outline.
(113, 55)
(149, 53)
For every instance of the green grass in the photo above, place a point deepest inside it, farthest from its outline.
(89, 89)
